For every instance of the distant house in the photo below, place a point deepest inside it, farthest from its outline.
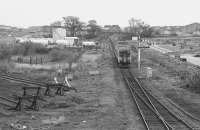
(58, 33)
(68, 42)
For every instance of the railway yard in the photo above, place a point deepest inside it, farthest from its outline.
(99, 65)
(102, 95)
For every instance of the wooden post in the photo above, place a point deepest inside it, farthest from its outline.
(24, 94)
(22, 60)
(47, 91)
(41, 60)
(34, 105)
(38, 91)
(19, 104)
(30, 60)
(36, 60)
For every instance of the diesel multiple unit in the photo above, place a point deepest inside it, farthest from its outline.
(123, 53)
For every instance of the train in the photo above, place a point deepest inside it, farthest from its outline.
(122, 52)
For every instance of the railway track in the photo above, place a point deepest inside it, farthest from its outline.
(22, 80)
(7, 102)
(154, 114)
(147, 102)
(151, 119)
(11, 103)
(183, 111)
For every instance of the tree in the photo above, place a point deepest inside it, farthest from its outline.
(56, 23)
(113, 28)
(92, 29)
(147, 31)
(138, 28)
(73, 25)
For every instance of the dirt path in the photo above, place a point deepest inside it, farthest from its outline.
(112, 99)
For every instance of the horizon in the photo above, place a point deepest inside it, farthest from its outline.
(101, 25)
(27, 13)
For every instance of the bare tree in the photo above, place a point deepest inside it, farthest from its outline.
(73, 25)
(138, 28)
(56, 23)
(93, 29)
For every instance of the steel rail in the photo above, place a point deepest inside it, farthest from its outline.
(111, 48)
(138, 107)
(155, 102)
(136, 83)
(29, 82)
(7, 102)
(147, 103)
(145, 115)
(183, 111)
(170, 113)
(22, 79)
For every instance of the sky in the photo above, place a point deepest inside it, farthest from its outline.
(25, 13)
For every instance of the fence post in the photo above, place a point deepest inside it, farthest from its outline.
(22, 60)
(30, 60)
(41, 60)
(36, 60)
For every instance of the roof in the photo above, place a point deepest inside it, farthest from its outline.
(71, 38)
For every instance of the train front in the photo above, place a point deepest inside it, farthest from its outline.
(124, 56)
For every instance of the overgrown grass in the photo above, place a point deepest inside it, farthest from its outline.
(193, 82)
(8, 50)
(5, 65)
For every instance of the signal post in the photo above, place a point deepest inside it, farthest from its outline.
(139, 53)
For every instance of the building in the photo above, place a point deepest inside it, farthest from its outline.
(58, 33)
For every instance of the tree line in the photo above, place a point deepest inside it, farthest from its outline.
(75, 27)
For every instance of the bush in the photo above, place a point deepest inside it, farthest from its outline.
(58, 55)
(5, 51)
(30, 48)
(194, 81)
(6, 66)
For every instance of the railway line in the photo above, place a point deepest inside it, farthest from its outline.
(7, 102)
(185, 113)
(151, 119)
(155, 115)
(14, 104)
(145, 102)
(21, 80)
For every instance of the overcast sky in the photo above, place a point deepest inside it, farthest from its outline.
(24, 13)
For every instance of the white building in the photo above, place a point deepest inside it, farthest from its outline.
(58, 33)
(68, 41)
